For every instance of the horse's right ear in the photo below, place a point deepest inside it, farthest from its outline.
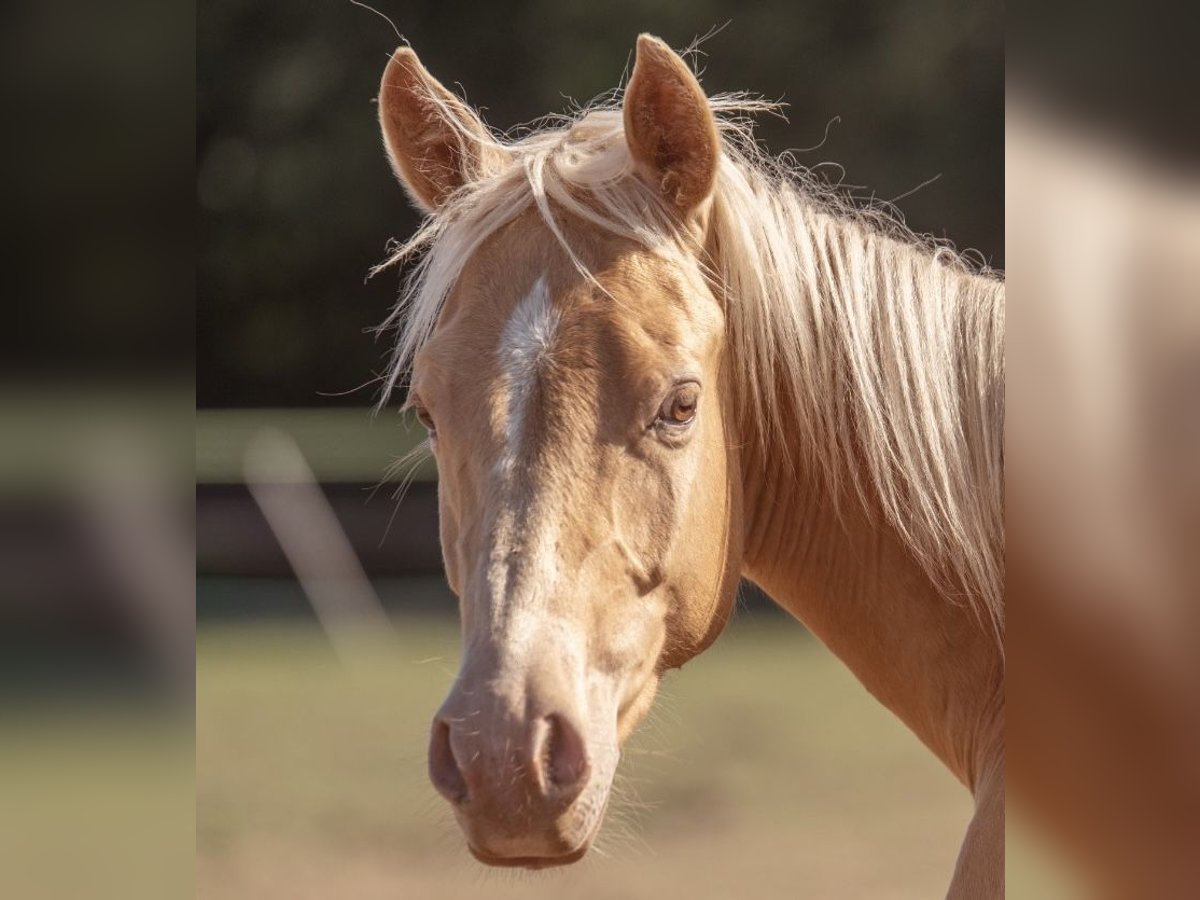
(436, 144)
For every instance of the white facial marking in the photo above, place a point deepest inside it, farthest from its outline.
(527, 337)
(523, 560)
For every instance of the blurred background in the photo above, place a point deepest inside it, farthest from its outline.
(96, 449)
(156, 455)
(295, 205)
(311, 735)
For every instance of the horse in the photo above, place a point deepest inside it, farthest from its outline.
(653, 360)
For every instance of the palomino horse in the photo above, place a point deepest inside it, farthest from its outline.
(652, 360)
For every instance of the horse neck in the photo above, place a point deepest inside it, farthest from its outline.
(853, 583)
(838, 565)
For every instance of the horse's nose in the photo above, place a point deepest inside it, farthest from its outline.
(559, 758)
(444, 770)
(551, 761)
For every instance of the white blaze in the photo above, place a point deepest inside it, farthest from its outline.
(527, 337)
(523, 559)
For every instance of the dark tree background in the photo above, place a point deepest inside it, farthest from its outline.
(296, 201)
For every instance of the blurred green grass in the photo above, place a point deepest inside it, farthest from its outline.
(97, 800)
(765, 771)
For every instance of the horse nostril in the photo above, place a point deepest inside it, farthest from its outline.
(562, 756)
(443, 767)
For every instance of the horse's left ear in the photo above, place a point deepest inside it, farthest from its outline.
(670, 129)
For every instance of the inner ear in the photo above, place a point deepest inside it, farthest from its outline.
(670, 129)
(435, 142)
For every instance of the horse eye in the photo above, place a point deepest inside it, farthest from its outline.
(680, 406)
(425, 418)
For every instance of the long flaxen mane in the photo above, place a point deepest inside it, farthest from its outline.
(878, 352)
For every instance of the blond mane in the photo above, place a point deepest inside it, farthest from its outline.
(878, 352)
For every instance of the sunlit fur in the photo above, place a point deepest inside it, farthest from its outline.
(882, 351)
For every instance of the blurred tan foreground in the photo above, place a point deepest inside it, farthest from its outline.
(766, 771)
(1103, 474)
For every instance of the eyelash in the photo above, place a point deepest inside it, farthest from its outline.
(687, 392)
(423, 416)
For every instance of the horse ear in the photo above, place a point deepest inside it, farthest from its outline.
(435, 143)
(670, 129)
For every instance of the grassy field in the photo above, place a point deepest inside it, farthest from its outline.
(766, 771)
